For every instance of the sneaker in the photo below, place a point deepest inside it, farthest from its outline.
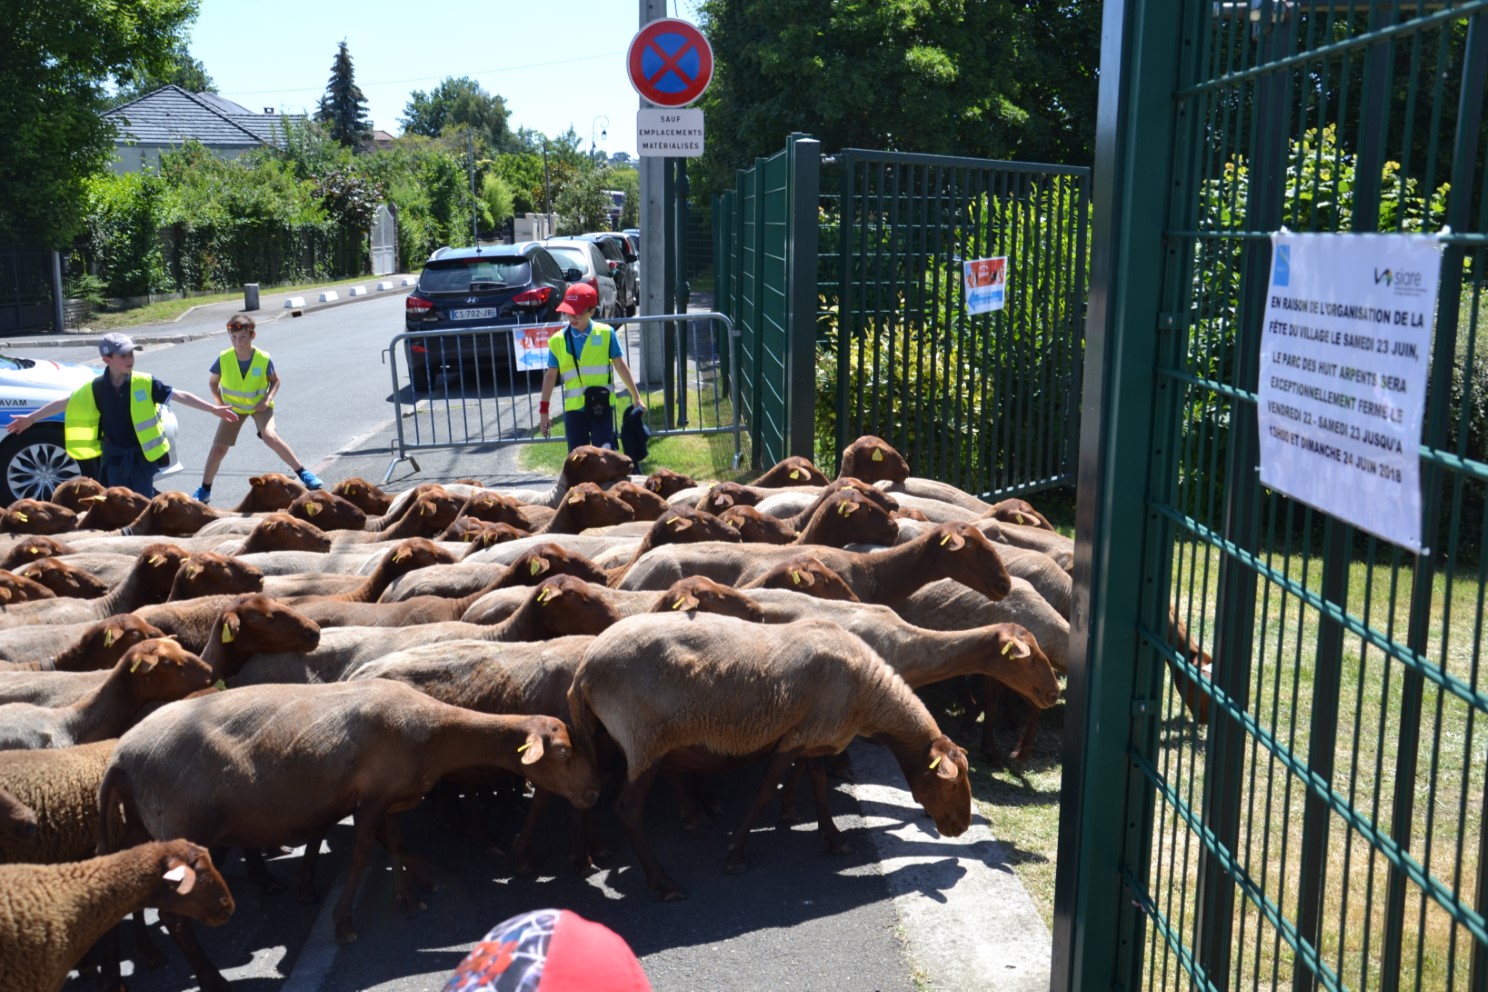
(310, 479)
(202, 494)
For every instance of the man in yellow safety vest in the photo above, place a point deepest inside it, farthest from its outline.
(116, 418)
(582, 356)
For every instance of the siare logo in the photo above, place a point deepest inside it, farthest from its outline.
(1384, 276)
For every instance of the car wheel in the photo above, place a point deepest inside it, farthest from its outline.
(34, 464)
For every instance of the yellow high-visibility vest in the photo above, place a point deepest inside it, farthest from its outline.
(239, 391)
(81, 419)
(592, 368)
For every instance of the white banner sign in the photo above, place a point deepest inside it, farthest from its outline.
(986, 283)
(1344, 351)
(669, 133)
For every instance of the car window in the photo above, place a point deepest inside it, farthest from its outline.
(571, 258)
(610, 249)
(457, 275)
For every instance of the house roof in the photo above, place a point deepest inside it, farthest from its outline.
(171, 116)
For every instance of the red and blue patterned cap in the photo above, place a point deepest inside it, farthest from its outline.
(550, 950)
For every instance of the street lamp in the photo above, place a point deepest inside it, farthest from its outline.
(603, 132)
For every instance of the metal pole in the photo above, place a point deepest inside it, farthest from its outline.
(59, 318)
(474, 209)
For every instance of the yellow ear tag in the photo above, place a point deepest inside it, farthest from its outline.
(312, 508)
(22, 517)
(400, 555)
(1018, 517)
(351, 490)
(795, 576)
(843, 509)
(33, 551)
(156, 559)
(945, 540)
(108, 638)
(576, 498)
(137, 660)
(227, 634)
(878, 457)
(97, 498)
(220, 685)
(545, 595)
(423, 509)
(795, 473)
(1007, 649)
(935, 762)
(536, 566)
(524, 747)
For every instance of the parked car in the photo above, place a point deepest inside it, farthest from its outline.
(583, 261)
(623, 267)
(482, 289)
(34, 462)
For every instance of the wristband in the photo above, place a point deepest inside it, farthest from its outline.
(542, 407)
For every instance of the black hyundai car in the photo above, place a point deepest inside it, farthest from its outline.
(489, 292)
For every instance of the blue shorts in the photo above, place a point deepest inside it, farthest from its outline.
(126, 465)
(580, 428)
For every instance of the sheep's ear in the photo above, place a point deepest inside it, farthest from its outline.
(846, 508)
(156, 559)
(400, 553)
(1015, 648)
(538, 565)
(4, 594)
(350, 490)
(576, 497)
(256, 480)
(20, 516)
(943, 766)
(193, 570)
(231, 624)
(548, 593)
(532, 751)
(147, 660)
(802, 578)
(953, 541)
(423, 506)
(685, 603)
(182, 877)
(95, 498)
(312, 508)
(679, 523)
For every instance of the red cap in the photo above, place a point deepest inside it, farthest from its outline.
(550, 950)
(580, 297)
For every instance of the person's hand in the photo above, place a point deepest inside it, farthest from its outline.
(263, 406)
(639, 406)
(545, 424)
(20, 422)
(226, 413)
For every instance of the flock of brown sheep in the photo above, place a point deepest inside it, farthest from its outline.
(177, 680)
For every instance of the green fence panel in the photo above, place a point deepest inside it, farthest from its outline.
(1275, 750)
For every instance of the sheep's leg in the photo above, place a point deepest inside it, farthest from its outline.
(693, 806)
(991, 699)
(258, 871)
(305, 890)
(629, 808)
(105, 956)
(364, 831)
(207, 975)
(788, 793)
(406, 870)
(523, 844)
(780, 763)
(1021, 753)
(836, 843)
(146, 951)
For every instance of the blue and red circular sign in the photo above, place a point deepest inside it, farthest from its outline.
(670, 62)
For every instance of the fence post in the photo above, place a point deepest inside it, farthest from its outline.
(802, 241)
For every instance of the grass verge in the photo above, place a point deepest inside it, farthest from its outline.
(166, 310)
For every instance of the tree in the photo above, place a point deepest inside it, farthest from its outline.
(344, 108)
(496, 202)
(459, 104)
(58, 56)
(184, 71)
(583, 204)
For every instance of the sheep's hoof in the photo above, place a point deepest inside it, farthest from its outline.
(788, 814)
(670, 893)
(345, 934)
(736, 865)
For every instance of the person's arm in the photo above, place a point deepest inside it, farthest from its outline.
(545, 422)
(20, 423)
(192, 400)
(268, 399)
(635, 394)
(214, 383)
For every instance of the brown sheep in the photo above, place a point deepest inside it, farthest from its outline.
(678, 525)
(270, 492)
(60, 785)
(804, 574)
(157, 670)
(113, 508)
(540, 560)
(433, 511)
(793, 470)
(755, 527)
(278, 531)
(872, 459)
(172, 514)
(327, 512)
(57, 912)
(848, 517)
(881, 499)
(95, 647)
(584, 506)
(34, 516)
(21, 589)
(492, 507)
(666, 483)
(409, 556)
(266, 765)
(74, 493)
(644, 503)
(728, 494)
(481, 533)
(1018, 511)
(30, 549)
(699, 593)
(957, 551)
(64, 578)
(148, 582)
(368, 498)
(705, 690)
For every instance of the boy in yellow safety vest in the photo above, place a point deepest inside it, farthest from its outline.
(115, 418)
(243, 377)
(581, 356)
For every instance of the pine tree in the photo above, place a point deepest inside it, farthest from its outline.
(344, 107)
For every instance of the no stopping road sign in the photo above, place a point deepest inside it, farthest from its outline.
(670, 62)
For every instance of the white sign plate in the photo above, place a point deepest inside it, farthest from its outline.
(669, 133)
(1344, 351)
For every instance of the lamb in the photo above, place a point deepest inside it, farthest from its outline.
(793, 470)
(328, 512)
(148, 582)
(270, 492)
(50, 915)
(666, 483)
(957, 551)
(21, 589)
(542, 616)
(492, 507)
(111, 509)
(64, 578)
(60, 787)
(644, 504)
(705, 690)
(34, 516)
(755, 527)
(278, 531)
(481, 533)
(848, 517)
(267, 765)
(368, 498)
(20, 551)
(434, 510)
(586, 505)
(157, 670)
(93, 647)
(409, 556)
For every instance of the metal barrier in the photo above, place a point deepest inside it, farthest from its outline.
(481, 386)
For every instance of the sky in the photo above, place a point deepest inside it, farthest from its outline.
(557, 65)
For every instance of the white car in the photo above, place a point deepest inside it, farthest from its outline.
(35, 462)
(582, 261)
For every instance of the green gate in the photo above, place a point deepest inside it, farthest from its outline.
(1313, 817)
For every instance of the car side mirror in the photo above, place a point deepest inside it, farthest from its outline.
(573, 275)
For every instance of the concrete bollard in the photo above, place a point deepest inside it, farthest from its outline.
(329, 296)
(384, 286)
(294, 302)
(250, 296)
(357, 291)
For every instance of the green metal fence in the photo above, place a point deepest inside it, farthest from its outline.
(1314, 816)
(844, 277)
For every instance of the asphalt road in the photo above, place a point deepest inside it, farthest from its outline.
(904, 910)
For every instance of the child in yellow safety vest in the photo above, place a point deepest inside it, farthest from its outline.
(580, 357)
(243, 378)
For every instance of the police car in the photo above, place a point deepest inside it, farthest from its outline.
(35, 462)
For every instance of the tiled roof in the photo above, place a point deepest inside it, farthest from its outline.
(170, 116)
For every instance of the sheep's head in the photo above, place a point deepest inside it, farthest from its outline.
(586, 463)
(940, 783)
(586, 505)
(565, 605)
(156, 567)
(805, 574)
(327, 511)
(207, 573)
(106, 641)
(173, 514)
(161, 670)
(645, 504)
(684, 525)
(270, 492)
(434, 509)
(74, 492)
(550, 761)
(794, 470)
(546, 560)
(959, 551)
(279, 531)
(1019, 512)
(256, 622)
(755, 527)
(364, 495)
(480, 534)
(872, 459)
(666, 483)
(190, 885)
(64, 578)
(1022, 666)
(34, 516)
(113, 508)
(701, 594)
(493, 507)
(34, 549)
(848, 517)
(725, 495)
(20, 589)
(414, 553)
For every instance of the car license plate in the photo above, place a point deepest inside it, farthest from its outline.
(479, 313)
